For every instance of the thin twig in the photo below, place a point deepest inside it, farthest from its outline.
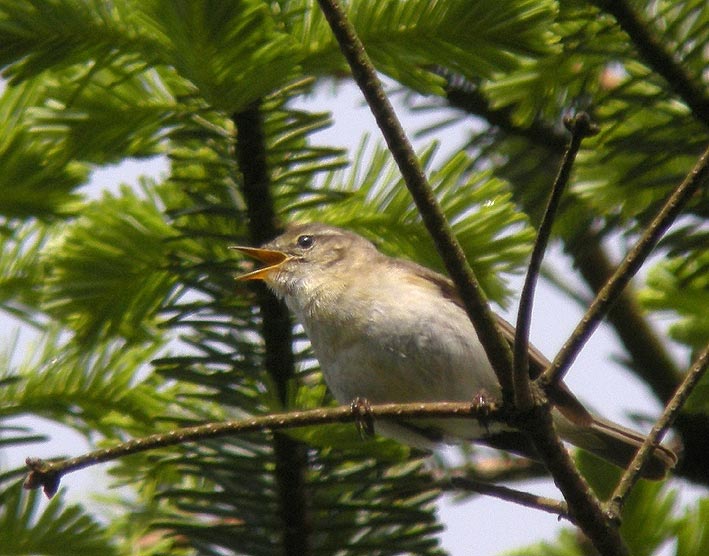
(651, 360)
(48, 474)
(632, 473)
(579, 497)
(627, 269)
(476, 306)
(549, 505)
(580, 127)
(593, 262)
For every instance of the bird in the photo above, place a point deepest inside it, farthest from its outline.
(388, 330)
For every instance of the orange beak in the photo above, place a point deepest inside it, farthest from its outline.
(272, 259)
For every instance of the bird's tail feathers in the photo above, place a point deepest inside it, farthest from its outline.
(616, 444)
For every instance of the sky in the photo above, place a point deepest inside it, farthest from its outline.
(478, 526)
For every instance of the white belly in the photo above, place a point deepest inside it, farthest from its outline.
(398, 357)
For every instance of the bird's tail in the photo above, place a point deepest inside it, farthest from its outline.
(616, 444)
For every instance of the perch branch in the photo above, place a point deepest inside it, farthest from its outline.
(48, 474)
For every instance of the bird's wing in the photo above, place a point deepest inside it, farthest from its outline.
(559, 394)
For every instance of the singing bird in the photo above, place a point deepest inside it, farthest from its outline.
(392, 331)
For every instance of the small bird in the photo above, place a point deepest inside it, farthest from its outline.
(392, 331)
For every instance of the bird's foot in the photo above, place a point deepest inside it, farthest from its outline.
(483, 404)
(362, 412)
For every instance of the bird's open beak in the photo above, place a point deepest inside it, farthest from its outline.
(272, 259)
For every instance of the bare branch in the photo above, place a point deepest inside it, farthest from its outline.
(580, 128)
(650, 359)
(48, 474)
(652, 362)
(549, 505)
(627, 269)
(582, 503)
(632, 474)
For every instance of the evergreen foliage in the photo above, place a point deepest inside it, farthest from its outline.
(142, 328)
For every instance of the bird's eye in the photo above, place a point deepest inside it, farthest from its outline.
(305, 242)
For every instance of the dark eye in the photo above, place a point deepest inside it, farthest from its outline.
(305, 242)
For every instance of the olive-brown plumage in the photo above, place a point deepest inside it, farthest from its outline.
(390, 330)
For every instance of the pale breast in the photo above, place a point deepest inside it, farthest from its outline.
(417, 346)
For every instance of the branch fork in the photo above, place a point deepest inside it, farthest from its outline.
(512, 372)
